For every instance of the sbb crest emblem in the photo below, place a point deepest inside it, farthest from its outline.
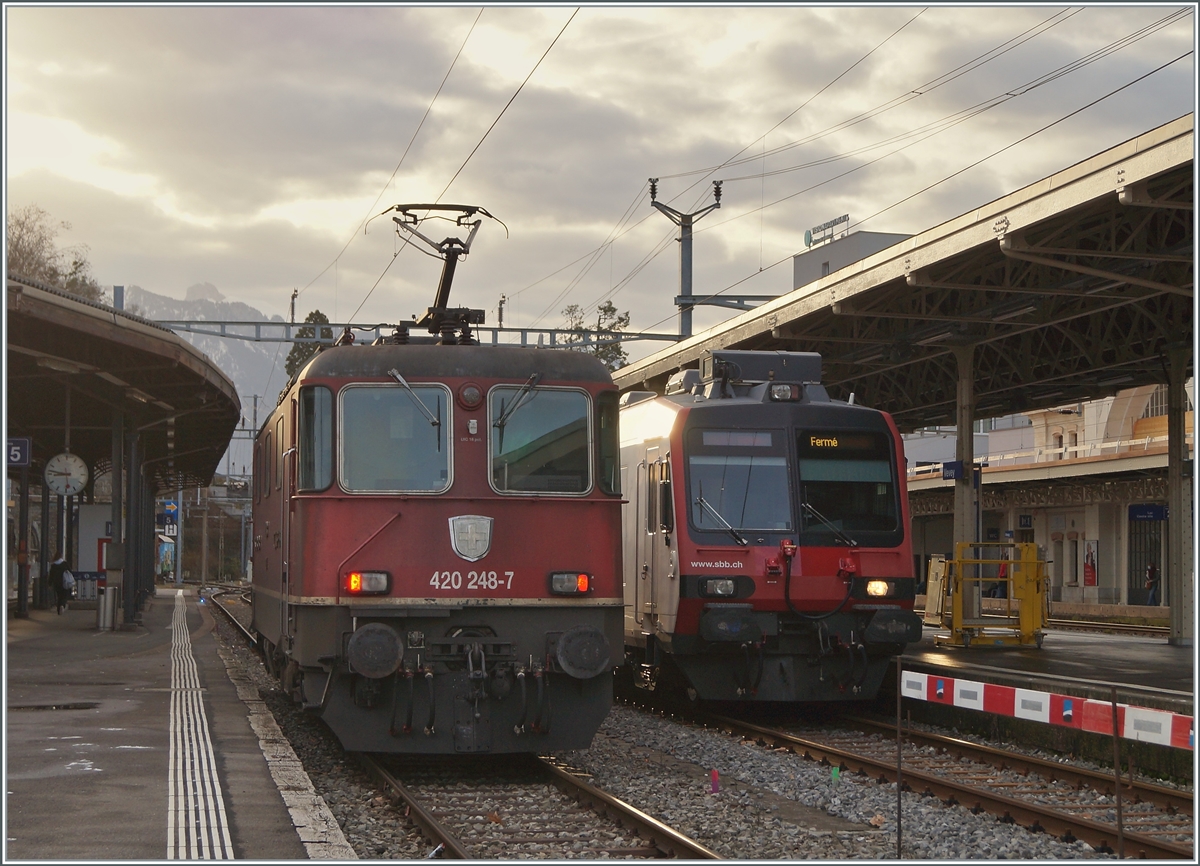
(471, 536)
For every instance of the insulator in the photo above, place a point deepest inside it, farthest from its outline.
(400, 334)
(449, 336)
(653, 188)
(717, 190)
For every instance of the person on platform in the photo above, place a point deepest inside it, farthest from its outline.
(62, 581)
(1152, 582)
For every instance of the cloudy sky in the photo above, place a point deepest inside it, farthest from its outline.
(245, 147)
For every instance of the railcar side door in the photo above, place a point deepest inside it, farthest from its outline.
(664, 548)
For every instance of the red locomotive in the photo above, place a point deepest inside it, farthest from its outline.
(437, 537)
(766, 547)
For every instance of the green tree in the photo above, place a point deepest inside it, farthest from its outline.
(30, 236)
(608, 321)
(301, 352)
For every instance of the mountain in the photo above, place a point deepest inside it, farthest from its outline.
(257, 369)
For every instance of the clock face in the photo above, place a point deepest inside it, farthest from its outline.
(66, 474)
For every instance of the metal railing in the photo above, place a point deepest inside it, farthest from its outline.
(1108, 448)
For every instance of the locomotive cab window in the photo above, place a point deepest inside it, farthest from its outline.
(847, 483)
(609, 455)
(316, 438)
(540, 440)
(389, 443)
(738, 479)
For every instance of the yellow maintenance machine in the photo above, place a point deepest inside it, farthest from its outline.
(955, 590)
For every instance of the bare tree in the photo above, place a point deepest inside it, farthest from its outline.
(608, 321)
(30, 234)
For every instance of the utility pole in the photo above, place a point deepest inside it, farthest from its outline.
(500, 311)
(684, 221)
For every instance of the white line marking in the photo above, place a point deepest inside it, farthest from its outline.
(197, 826)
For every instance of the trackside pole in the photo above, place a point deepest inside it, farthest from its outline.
(900, 757)
(1116, 738)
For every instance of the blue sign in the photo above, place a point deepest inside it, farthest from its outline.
(952, 470)
(18, 450)
(1008, 533)
(1147, 512)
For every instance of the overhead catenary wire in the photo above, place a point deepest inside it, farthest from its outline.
(954, 174)
(947, 123)
(663, 244)
(473, 150)
(1046, 78)
(987, 104)
(416, 132)
(903, 98)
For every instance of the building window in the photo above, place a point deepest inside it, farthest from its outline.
(824, 269)
(1160, 400)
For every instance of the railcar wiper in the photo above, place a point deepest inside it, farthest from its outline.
(737, 536)
(518, 400)
(395, 374)
(846, 539)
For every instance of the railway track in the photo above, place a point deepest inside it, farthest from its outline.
(221, 601)
(522, 806)
(1062, 804)
(515, 806)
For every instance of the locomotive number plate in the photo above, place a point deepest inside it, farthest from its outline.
(479, 581)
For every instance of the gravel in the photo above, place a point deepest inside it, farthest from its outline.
(769, 804)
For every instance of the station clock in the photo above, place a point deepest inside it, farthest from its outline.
(66, 474)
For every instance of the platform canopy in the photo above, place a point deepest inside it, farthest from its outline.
(1071, 289)
(68, 355)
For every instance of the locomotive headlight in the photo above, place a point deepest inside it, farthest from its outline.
(784, 393)
(878, 587)
(367, 582)
(719, 586)
(570, 583)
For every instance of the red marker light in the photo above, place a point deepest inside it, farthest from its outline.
(367, 583)
(581, 583)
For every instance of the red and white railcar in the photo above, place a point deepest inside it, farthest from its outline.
(767, 554)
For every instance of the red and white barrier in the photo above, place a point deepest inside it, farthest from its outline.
(1134, 723)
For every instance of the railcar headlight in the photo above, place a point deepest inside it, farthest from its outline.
(784, 393)
(570, 583)
(879, 588)
(368, 582)
(719, 586)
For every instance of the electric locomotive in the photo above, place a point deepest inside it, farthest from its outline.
(766, 547)
(437, 540)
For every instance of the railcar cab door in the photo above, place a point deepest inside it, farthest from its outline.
(656, 595)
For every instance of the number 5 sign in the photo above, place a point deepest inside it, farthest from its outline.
(18, 451)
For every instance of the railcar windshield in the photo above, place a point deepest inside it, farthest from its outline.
(540, 441)
(738, 479)
(389, 444)
(847, 482)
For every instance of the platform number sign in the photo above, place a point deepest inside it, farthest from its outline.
(18, 450)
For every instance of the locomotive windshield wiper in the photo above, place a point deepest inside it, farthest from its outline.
(395, 374)
(833, 528)
(518, 400)
(737, 536)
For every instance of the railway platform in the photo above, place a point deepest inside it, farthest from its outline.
(1087, 664)
(136, 744)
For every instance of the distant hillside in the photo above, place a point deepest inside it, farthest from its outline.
(255, 368)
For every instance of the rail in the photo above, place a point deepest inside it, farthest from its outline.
(665, 841)
(1022, 810)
